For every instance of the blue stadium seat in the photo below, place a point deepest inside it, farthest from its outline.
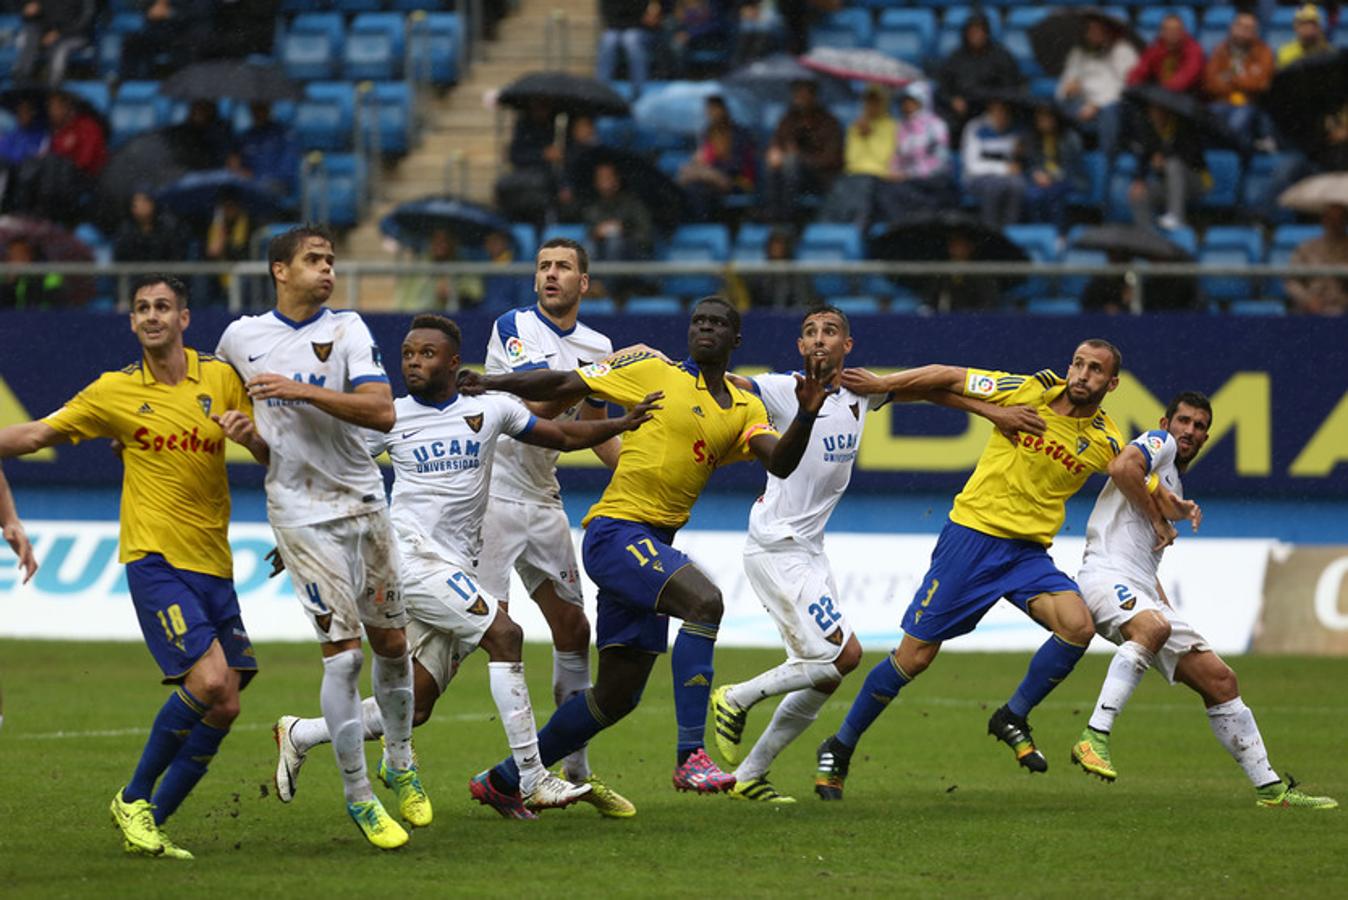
(368, 55)
(138, 108)
(330, 23)
(652, 306)
(1287, 238)
(334, 189)
(1016, 37)
(294, 7)
(95, 92)
(429, 6)
(600, 306)
(1117, 209)
(691, 285)
(1075, 284)
(1268, 307)
(952, 28)
(387, 107)
(845, 28)
(856, 306)
(526, 240)
(670, 116)
(830, 242)
(434, 42)
(1184, 237)
(751, 241)
(569, 230)
(905, 303)
(308, 54)
(670, 161)
(1224, 166)
(391, 23)
(1225, 287)
(1216, 24)
(715, 238)
(1149, 20)
(1039, 241)
(1053, 306)
(354, 6)
(325, 118)
(906, 34)
(1096, 165)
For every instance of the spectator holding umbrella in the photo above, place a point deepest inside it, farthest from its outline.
(990, 154)
(978, 65)
(1053, 165)
(167, 38)
(1238, 73)
(1171, 170)
(1093, 78)
(452, 293)
(1310, 39)
(52, 30)
(805, 154)
(1322, 295)
(1174, 60)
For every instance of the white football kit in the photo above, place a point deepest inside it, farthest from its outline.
(442, 459)
(784, 554)
(325, 495)
(1118, 576)
(526, 526)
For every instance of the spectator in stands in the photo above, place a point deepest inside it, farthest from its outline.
(1053, 165)
(619, 223)
(919, 171)
(979, 65)
(202, 140)
(1237, 74)
(76, 135)
(502, 292)
(268, 153)
(148, 235)
(1170, 169)
(867, 153)
(993, 173)
(1093, 79)
(168, 38)
(1174, 60)
(29, 291)
(528, 191)
(961, 292)
(759, 31)
(703, 36)
(805, 154)
(581, 139)
(1322, 295)
(51, 30)
(722, 166)
(626, 24)
(1310, 38)
(793, 291)
(243, 27)
(228, 235)
(27, 138)
(451, 293)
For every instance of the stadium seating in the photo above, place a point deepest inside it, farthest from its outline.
(526, 240)
(857, 306)
(751, 241)
(1252, 307)
(1093, 197)
(1230, 245)
(1216, 24)
(652, 306)
(435, 44)
(137, 108)
(386, 111)
(830, 242)
(571, 231)
(1149, 20)
(1053, 306)
(1286, 238)
(370, 51)
(311, 47)
(1016, 37)
(325, 118)
(1224, 166)
(906, 34)
(845, 28)
(333, 186)
(952, 28)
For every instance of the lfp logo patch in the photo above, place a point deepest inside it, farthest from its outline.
(514, 348)
(595, 370)
(1154, 443)
(980, 385)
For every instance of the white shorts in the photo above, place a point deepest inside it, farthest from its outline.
(1114, 600)
(447, 613)
(346, 569)
(797, 590)
(536, 540)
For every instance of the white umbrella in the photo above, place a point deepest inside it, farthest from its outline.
(860, 65)
(1314, 194)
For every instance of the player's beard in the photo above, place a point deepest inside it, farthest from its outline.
(1092, 399)
(560, 305)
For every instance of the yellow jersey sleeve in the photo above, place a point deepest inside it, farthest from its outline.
(84, 416)
(1001, 387)
(626, 379)
(756, 422)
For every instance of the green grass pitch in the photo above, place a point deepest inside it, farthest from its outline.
(934, 805)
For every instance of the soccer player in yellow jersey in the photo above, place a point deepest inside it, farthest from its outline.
(704, 422)
(13, 532)
(996, 542)
(171, 411)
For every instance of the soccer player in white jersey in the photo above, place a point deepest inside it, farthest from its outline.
(317, 381)
(784, 554)
(1125, 537)
(442, 447)
(526, 526)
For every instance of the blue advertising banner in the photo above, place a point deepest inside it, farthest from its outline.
(1279, 388)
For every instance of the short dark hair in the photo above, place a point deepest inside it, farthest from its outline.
(445, 326)
(285, 245)
(582, 256)
(1196, 399)
(1102, 344)
(735, 320)
(826, 308)
(172, 282)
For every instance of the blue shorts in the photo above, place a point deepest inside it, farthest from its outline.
(181, 612)
(970, 571)
(630, 562)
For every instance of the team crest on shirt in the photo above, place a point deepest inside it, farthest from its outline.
(835, 637)
(856, 411)
(474, 422)
(322, 351)
(479, 607)
(1083, 444)
(204, 401)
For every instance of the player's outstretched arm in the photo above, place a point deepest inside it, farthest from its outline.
(369, 405)
(780, 456)
(590, 433)
(1128, 470)
(30, 437)
(1009, 420)
(608, 450)
(563, 386)
(13, 531)
(908, 385)
(239, 428)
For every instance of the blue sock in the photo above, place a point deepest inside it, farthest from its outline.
(570, 728)
(177, 717)
(1050, 664)
(881, 686)
(691, 663)
(187, 768)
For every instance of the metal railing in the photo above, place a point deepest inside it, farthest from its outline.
(352, 273)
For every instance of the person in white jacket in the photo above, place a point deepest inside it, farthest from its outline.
(1092, 81)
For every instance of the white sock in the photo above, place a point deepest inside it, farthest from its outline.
(306, 734)
(1126, 669)
(794, 714)
(788, 677)
(1233, 723)
(339, 698)
(570, 676)
(392, 682)
(511, 694)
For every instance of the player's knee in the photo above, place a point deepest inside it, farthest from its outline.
(616, 701)
(1150, 629)
(1223, 686)
(388, 642)
(226, 710)
(707, 608)
(848, 659)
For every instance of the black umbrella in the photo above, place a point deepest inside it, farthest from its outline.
(412, 223)
(1189, 109)
(662, 196)
(769, 80)
(195, 195)
(564, 92)
(1304, 93)
(241, 79)
(147, 162)
(1054, 36)
(1131, 241)
(927, 239)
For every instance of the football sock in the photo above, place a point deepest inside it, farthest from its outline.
(691, 663)
(391, 679)
(882, 685)
(570, 676)
(306, 734)
(339, 698)
(177, 717)
(188, 767)
(1126, 669)
(794, 714)
(571, 726)
(788, 677)
(1050, 664)
(511, 695)
(1233, 723)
